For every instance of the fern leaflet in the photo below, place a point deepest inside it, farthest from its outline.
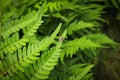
(79, 25)
(27, 55)
(47, 62)
(73, 46)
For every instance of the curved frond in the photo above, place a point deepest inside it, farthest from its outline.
(79, 25)
(116, 3)
(28, 50)
(47, 62)
(26, 56)
(72, 69)
(58, 5)
(55, 6)
(100, 39)
(32, 28)
(16, 25)
(71, 47)
(79, 71)
(4, 4)
(12, 44)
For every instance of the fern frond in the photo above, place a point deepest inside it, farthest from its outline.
(27, 55)
(71, 47)
(29, 31)
(12, 44)
(58, 6)
(88, 77)
(80, 70)
(96, 10)
(32, 57)
(71, 69)
(47, 62)
(79, 25)
(116, 3)
(6, 16)
(54, 6)
(100, 39)
(16, 25)
(4, 4)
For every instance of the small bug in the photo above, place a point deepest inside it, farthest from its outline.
(61, 39)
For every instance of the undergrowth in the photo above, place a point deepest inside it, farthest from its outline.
(54, 40)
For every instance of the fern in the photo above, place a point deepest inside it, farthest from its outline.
(71, 69)
(47, 63)
(79, 73)
(86, 43)
(28, 55)
(116, 3)
(52, 6)
(16, 25)
(12, 44)
(100, 39)
(4, 4)
(80, 25)
(73, 46)
(29, 47)
(72, 12)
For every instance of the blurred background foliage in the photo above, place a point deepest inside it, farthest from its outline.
(108, 65)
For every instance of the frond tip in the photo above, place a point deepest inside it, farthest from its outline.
(79, 71)
(27, 55)
(16, 25)
(47, 62)
(71, 47)
(79, 25)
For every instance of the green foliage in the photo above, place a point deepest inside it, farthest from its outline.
(80, 71)
(116, 3)
(30, 48)
(72, 69)
(4, 4)
(27, 54)
(47, 62)
(71, 47)
(80, 25)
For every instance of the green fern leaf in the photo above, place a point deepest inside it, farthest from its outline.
(79, 71)
(59, 5)
(115, 3)
(29, 31)
(27, 55)
(79, 25)
(47, 62)
(54, 6)
(16, 25)
(3, 4)
(84, 72)
(72, 47)
(100, 39)
(6, 16)
(90, 10)
(88, 77)
(12, 44)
